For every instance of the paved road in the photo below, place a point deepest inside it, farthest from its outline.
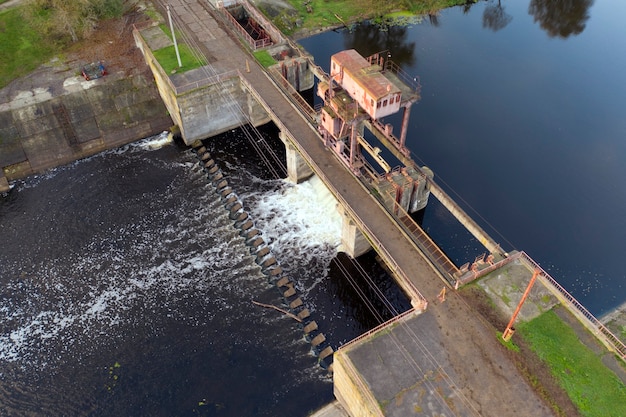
(464, 346)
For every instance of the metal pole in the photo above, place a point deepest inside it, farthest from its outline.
(169, 15)
(508, 332)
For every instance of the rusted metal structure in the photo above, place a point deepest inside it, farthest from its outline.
(357, 94)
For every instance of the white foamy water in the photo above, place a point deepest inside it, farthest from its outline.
(302, 215)
(58, 305)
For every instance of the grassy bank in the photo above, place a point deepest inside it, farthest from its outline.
(593, 388)
(316, 14)
(23, 49)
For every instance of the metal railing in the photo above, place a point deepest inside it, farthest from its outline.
(295, 97)
(609, 339)
(377, 328)
(432, 251)
(413, 82)
(254, 43)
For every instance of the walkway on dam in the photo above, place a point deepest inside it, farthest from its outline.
(465, 348)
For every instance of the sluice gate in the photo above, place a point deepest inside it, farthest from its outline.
(265, 259)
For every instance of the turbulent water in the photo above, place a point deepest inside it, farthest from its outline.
(126, 289)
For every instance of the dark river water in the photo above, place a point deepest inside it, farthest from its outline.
(125, 290)
(522, 118)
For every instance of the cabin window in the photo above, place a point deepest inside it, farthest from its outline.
(378, 104)
(397, 99)
(371, 102)
(385, 103)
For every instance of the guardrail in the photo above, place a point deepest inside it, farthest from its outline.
(295, 97)
(377, 328)
(432, 251)
(254, 43)
(609, 339)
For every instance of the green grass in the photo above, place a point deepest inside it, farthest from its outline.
(23, 49)
(325, 13)
(167, 58)
(510, 345)
(264, 58)
(593, 388)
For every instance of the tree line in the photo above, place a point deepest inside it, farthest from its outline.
(73, 19)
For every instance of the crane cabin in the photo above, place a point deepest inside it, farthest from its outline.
(365, 83)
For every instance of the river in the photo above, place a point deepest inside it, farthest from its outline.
(522, 120)
(126, 289)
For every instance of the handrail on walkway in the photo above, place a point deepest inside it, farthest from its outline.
(417, 299)
(293, 95)
(254, 43)
(430, 249)
(609, 339)
(377, 328)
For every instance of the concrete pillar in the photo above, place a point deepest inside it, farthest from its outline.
(297, 168)
(353, 242)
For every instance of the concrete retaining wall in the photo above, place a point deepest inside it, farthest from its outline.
(351, 394)
(201, 104)
(96, 116)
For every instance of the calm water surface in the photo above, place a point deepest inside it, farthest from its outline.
(522, 115)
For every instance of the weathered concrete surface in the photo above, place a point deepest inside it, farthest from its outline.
(436, 364)
(53, 116)
(4, 184)
(43, 129)
(333, 409)
(203, 102)
(505, 287)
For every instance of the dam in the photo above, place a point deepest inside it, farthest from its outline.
(354, 383)
(419, 267)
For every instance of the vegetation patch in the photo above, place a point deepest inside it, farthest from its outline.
(264, 58)
(592, 387)
(169, 62)
(510, 345)
(23, 48)
(313, 14)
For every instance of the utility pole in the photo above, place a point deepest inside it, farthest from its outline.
(508, 332)
(169, 15)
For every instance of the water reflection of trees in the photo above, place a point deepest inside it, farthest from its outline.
(494, 17)
(369, 38)
(561, 18)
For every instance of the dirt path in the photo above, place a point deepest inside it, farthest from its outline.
(112, 43)
(9, 4)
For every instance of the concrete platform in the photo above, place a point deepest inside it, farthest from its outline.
(419, 367)
(333, 409)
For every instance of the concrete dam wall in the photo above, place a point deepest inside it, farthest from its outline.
(40, 130)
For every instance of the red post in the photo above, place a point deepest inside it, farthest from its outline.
(508, 332)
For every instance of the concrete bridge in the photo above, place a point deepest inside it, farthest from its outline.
(458, 366)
